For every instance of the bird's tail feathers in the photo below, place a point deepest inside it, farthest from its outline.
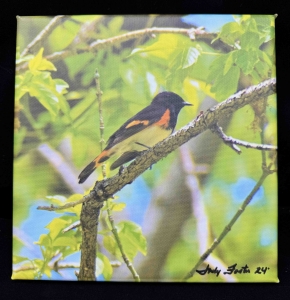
(90, 168)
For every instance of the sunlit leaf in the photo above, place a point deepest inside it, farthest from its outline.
(55, 227)
(191, 57)
(107, 267)
(28, 274)
(132, 238)
(47, 271)
(45, 96)
(38, 63)
(230, 32)
(17, 259)
(61, 86)
(64, 241)
(231, 58)
(118, 206)
(44, 240)
(110, 244)
(99, 267)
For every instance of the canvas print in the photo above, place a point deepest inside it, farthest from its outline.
(145, 148)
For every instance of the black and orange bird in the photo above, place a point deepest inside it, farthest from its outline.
(151, 125)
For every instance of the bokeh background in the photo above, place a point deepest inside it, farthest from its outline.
(185, 200)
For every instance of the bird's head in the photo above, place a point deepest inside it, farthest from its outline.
(170, 100)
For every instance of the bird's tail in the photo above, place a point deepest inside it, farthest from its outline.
(90, 168)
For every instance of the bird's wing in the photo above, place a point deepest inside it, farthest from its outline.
(145, 118)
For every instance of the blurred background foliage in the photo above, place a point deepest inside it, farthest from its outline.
(57, 135)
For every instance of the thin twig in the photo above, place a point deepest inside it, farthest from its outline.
(232, 142)
(120, 246)
(102, 126)
(72, 226)
(226, 230)
(69, 204)
(102, 44)
(56, 266)
(36, 43)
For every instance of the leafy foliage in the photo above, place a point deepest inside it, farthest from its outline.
(55, 105)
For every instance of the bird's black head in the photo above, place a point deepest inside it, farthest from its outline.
(170, 100)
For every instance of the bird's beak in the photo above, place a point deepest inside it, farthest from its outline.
(187, 104)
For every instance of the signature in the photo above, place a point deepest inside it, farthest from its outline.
(233, 269)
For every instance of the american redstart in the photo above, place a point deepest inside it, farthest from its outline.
(151, 125)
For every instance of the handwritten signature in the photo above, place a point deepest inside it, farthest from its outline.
(232, 270)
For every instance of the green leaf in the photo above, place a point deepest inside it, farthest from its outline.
(132, 239)
(46, 96)
(46, 65)
(24, 58)
(77, 63)
(19, 137)
(250, 41)
(191, 57)
(230, 32)
(99, 267)
(164, 47)
(55, 227)
(249, 23)
(47, 271)
(20, 85)
(231, 59)
(262, 69)
(29, 274)
(62, 36)
(17, 259)
(44, 240)
(38, 63)
(224, 86)
(116, 24)
(246, 60)
(265, 57)
(118, 206)
(107, 267)
(257, 78)
(56, 199)
(35, 62)
(217, 67)
(64, 241)
(270, 33)
(61, 86)
(110, 244)
(262, 21)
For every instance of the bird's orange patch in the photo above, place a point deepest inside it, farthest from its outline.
(164, 121)
(101, 158)
(137, 122)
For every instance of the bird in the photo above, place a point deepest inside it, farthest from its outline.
(151, 125)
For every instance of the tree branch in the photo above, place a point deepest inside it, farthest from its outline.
(35, 45)
(192, 33)
(89, 222)
(107, 188)
(232, 142)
